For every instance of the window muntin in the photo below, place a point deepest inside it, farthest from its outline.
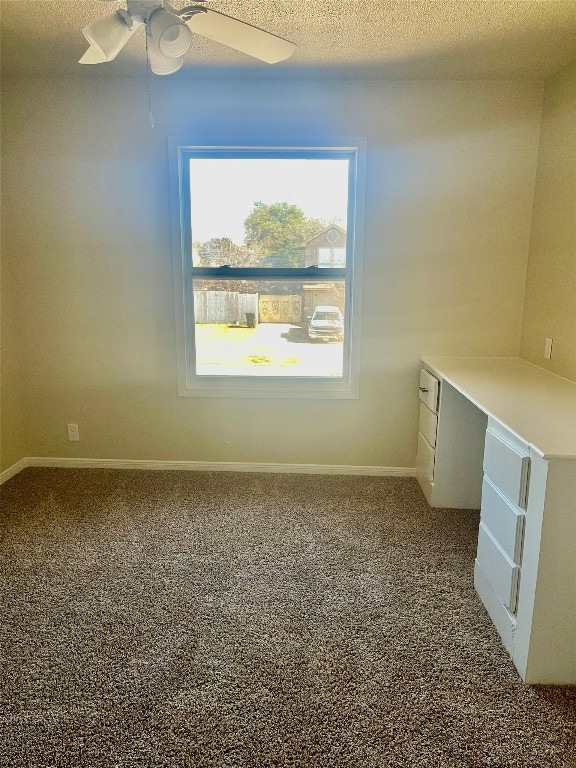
(212, 260)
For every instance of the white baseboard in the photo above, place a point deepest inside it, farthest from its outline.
(206, 466)
(13, 470)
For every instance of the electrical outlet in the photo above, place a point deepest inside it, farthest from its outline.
(547, 349)
(73, 432)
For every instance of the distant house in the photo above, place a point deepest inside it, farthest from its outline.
(327, 248)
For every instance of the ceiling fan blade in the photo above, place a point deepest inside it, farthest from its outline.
(241, 36)
(92, 56)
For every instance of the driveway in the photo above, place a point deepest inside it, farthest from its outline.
(270, 349)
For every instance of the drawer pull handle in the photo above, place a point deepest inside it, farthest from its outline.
(423, 389)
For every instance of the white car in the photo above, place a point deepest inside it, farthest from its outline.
(326, 323)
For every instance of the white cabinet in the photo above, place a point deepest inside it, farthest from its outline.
(500, 537)
(505, 442)
(425, 459)
(504, 520)
(428, 424)
(506, 463)
(450, 434)
(428, 390)
(500, 572)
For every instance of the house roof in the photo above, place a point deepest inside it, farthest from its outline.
(323, 232)
(390, 39)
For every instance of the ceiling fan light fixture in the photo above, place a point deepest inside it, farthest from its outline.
(92, 56)
(110, 34)
(160, 64)
(169, 33)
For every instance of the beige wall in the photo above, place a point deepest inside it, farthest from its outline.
(449, 195)
(12, 443)
(550, 303)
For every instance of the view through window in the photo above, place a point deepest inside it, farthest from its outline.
(268, 261)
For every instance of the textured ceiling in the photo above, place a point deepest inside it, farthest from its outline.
(384, 38)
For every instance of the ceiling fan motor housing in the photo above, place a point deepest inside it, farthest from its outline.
(141, 10)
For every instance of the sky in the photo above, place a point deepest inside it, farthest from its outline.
(223, 191)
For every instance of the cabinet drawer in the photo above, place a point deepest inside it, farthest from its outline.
(504, 521)
(502, 574)
(428, 424)
(425, 459)
(507, 467)
(428, 389)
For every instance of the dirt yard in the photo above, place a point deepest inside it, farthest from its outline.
(270, 349)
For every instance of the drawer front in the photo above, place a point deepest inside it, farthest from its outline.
(428, 390)
(507, 467)
(428, 424)
(425, 459)
(504, 521)
(502, 574)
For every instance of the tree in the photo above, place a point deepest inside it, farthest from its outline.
(277, 231)
(217, 252)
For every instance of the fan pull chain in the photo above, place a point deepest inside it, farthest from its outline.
(150, 115)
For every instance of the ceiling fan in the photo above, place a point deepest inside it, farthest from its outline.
(169, 34)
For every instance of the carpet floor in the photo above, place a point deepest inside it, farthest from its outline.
(214, 620)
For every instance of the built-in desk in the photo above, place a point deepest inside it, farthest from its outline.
(499, 434)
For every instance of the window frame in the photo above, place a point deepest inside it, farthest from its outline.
(191, 384)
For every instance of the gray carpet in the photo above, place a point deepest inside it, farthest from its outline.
(214, 620)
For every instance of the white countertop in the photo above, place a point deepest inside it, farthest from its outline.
(538, 406)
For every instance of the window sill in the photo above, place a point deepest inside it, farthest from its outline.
(270, 389)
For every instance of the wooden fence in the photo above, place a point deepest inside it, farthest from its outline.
(280, 309)
(224, 306)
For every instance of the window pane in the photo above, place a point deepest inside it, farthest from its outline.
(269, 328)
(267, 212)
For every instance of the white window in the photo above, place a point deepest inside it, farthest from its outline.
(257, 314)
